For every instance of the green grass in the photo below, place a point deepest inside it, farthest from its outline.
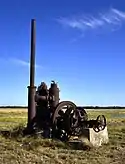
(26, 150)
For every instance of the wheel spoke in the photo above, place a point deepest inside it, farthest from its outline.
(101, 123)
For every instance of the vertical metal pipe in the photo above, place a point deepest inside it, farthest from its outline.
(32, 88)
(32, 59)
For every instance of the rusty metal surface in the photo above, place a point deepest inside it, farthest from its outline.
(31, 104)
(62, 106)
(32, 57)
(63, 120)
(72, 120)
(32, 88)
(53, 95)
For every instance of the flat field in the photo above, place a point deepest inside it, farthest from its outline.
(32, 150)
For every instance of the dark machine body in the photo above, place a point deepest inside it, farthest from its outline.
(61, 120)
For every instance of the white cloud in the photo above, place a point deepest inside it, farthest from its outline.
(23, 63)
(119, 13)
(18, 62)
(109, 19)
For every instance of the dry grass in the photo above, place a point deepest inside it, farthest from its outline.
(26, 150)
(9, 110)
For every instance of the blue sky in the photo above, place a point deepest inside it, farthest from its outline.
(80, 44)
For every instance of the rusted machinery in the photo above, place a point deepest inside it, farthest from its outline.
(61, 120)
(55, 119)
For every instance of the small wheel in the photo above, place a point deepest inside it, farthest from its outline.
(100, 123)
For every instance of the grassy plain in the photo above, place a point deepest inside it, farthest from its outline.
(31, 150)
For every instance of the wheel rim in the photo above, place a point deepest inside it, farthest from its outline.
(101, 123)
(64, 111)
(61, 107)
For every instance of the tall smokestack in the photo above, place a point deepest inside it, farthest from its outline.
(32, 88)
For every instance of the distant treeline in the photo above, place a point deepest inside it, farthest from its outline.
(86, 107)
(13, 107)
(103, 107)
